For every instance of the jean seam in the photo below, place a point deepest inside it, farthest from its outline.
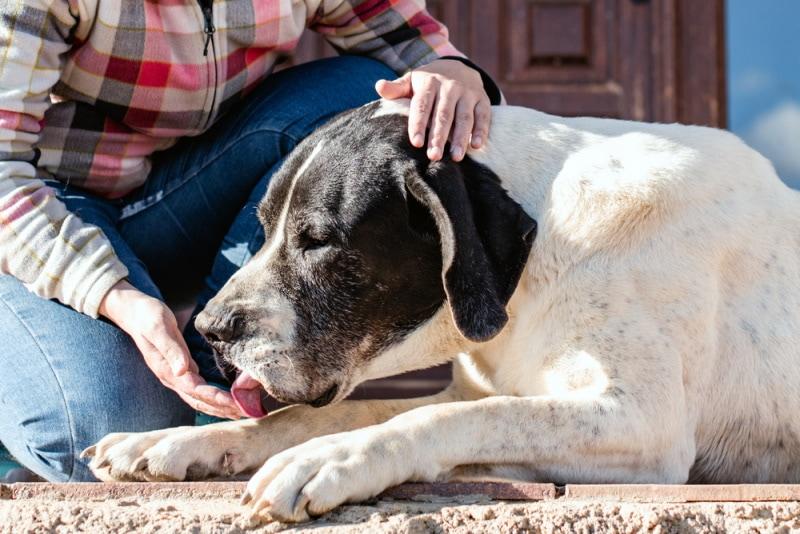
(60, 388)
(222, 152)
(178, 224)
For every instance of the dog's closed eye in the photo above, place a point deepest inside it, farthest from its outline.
(309, 240)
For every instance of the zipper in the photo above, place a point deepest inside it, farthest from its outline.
(207, 7)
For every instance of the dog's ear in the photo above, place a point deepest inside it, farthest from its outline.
(485, 238)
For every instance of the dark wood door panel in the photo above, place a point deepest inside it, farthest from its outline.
(656, 60)
(555, 56)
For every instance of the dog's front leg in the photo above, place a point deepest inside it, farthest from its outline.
(233, 447)
(564, 441)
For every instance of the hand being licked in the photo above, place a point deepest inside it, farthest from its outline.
(448, 98)
(153, 328)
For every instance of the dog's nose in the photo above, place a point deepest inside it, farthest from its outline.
(218, 325)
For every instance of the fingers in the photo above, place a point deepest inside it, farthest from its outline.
(399, 88)
(207, 399)
(442, 120)
(168, 341)
(205, 408)
(155, 331)
(198, 398)
(449, 101)
(422, 104)
(190, 386)
(483, 120)
(447, 112)
(462, 129)
(193, 385)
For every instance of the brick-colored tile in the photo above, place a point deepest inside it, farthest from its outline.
(505, 491)
(684, 493)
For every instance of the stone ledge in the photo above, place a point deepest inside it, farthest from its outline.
(499, 491)
(121, 490)
(651, 493)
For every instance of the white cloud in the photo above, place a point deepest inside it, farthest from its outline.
(752, 81)
(776, 134)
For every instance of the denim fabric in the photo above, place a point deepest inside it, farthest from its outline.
(67, 379)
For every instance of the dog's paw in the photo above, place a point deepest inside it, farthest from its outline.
(173, 454)
(319, 475)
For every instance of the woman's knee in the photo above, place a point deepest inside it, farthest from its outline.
(48, 436)
(68, 381)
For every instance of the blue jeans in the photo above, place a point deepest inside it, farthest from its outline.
(68, 380)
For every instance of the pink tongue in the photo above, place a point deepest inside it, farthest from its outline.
(246, 392)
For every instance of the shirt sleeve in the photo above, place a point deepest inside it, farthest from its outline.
(400, 33)
(42, 244)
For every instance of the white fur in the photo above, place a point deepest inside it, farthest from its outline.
(655, 330)
(392, 107)
(266, 359)
(279, 235)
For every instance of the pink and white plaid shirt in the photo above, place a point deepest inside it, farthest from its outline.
(89, 89)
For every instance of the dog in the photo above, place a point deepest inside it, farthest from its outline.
(620, 300)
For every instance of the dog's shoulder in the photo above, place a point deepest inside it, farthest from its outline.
(605, 181)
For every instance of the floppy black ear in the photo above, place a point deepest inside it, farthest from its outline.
(485, 236)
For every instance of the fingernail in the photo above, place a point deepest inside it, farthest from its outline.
(434, 153)
(417, 140)
(477, 141)
(457, 153)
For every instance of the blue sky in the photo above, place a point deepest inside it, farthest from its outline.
(764, 79)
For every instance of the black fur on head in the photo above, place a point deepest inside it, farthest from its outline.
(365, 240)
(485, 237)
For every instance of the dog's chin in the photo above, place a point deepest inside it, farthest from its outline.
(328, 396)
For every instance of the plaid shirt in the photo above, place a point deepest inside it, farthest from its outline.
(89, 89)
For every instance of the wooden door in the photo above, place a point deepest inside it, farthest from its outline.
(651, 60)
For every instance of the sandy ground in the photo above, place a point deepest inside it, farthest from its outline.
(462, 515)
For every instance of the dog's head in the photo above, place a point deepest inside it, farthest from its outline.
(366, 240)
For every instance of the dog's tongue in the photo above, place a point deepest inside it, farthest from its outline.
(246, 392)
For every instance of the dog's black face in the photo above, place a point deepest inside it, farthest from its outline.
(365, 241)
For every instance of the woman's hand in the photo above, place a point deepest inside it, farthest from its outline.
(153, 327)
(448, 97)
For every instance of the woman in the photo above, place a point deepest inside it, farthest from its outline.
(136, 138)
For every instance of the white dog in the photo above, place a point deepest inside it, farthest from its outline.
(649, 333)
